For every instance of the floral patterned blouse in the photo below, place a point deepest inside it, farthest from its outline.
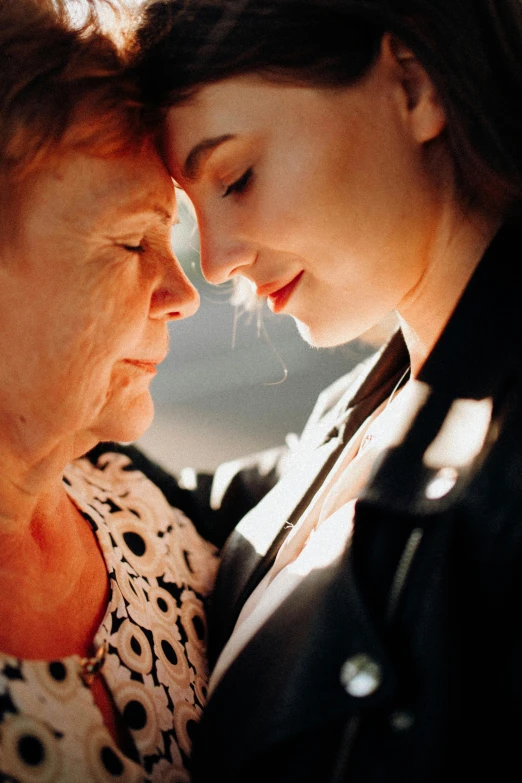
(160, 570)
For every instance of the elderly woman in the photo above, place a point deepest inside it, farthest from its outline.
(102, 635)
(349, 158)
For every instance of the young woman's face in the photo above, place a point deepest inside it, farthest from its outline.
(319, 197)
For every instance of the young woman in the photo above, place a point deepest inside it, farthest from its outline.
(350, 158)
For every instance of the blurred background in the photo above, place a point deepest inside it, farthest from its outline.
(235, 382)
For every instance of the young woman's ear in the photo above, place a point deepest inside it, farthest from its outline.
(422, 106)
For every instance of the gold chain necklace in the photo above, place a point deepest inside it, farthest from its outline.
(89, 667)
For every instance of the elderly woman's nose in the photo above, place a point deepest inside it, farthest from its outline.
(174, 297)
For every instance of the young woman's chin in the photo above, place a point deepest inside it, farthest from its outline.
(329, 334)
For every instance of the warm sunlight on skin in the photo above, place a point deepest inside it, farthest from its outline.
(338, 205)
(88, 288)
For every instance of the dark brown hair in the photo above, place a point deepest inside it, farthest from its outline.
(472, 50)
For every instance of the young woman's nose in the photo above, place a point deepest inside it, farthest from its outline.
(222, 254)
(174, 296)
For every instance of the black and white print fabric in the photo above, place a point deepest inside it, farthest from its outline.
(160, 571)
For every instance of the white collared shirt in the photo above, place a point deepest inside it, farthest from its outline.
(324, 529)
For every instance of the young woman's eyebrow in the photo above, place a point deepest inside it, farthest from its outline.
(198, 154)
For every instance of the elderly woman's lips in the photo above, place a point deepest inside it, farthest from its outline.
(141, 364)
(278, 298)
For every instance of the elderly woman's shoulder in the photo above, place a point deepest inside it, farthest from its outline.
(133, 459)
(130, 462)
(113, 486)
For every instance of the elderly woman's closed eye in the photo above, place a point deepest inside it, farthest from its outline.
(95, 584)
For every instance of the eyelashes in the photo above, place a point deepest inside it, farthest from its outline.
(133, 248)
(240, 185)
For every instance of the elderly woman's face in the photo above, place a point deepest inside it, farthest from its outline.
(319, 197)
(86, 291)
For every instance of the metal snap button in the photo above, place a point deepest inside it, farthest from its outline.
(360, 675)
(401, 720)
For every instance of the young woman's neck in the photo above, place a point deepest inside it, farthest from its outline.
(458, 244)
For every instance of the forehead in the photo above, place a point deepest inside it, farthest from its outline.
(227, 99)
(91, 190)
(242, 104)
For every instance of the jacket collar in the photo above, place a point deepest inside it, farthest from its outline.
(482, 339)
(469, 369)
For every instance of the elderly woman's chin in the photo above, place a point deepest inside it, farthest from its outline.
(125, 416)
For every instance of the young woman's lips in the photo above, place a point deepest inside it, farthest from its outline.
(278, 299)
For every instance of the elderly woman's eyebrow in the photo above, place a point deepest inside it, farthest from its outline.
(167, 217)
(198, 154)
(140, 210)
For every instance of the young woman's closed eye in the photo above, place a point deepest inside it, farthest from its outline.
(240, 185)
